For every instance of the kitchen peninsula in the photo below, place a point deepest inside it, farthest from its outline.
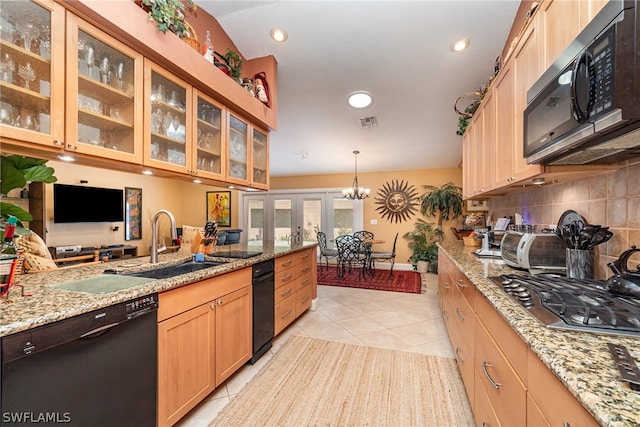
(48, 305)
(580, 361)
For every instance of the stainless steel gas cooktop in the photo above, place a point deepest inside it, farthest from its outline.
(574, 304)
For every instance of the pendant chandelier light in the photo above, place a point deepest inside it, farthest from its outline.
(356, 192)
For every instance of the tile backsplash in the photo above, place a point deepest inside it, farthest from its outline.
(610, 199)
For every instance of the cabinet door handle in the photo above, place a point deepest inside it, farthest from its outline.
(459, 283)
(72, 147)
(285, 293)
(445, 314)
(565, 424)
(446, 285)
(458, 354)
(286, 314)
(460, 316)
(486, 365)
(58, 142)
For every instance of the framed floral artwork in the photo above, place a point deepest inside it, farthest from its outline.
(219, 207)
(133, 213)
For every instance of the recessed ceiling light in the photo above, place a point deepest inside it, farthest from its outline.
(279, 35)
(147, 172)
(197, 181)
(360, 99)
(66, 158)
(460, 45)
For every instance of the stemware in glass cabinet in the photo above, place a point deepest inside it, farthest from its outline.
(106, 83)
(238, 132)
(168, 121)
(25, 65)
(260, 157)
(209, 137)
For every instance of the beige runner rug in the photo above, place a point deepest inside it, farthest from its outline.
(312, 382)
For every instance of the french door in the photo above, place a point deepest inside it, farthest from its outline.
(291, 217)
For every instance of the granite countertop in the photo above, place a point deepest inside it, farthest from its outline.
(47, 304)
(581, 360)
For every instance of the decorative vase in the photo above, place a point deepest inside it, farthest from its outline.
(422, 266)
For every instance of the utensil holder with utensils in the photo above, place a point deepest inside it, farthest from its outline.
(580, 263)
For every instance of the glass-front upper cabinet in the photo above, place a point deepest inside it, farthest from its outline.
(208, 156)
(104, 89)
(32, 71)
(260, 159)
(238, 153)
(168, 110)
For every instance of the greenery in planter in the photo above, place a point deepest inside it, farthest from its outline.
(422, 241)
(169, 15)
(17, 172)
(445, 201)
(234, 60)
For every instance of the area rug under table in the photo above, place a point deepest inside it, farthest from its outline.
(401, 281)
(311, 382)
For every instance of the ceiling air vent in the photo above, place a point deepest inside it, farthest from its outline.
(366, 122)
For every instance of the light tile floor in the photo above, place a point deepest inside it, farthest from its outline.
(393, 320)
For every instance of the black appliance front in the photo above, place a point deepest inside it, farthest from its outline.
(592, 99)
(63, 373)
(263, 308)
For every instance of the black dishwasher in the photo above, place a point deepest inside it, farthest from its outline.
(96, 369)
(263, 308)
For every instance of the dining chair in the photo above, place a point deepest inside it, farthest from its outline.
(367, 247)
(382, 256)
(351, 253)
(325, 252)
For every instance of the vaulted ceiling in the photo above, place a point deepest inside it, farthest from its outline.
(399, 51)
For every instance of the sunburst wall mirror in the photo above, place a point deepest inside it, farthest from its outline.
(397, 201)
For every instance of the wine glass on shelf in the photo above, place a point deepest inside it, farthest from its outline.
(27, 74)
(90, 59)
(120, 74)
(104, 70)
(28, 31)
(7, 67)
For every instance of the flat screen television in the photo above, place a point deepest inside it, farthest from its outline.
(76, 203)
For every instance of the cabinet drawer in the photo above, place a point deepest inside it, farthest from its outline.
(464, 285)
(286, 278)
(464, 359)
(554, 401)
(463, 317)
(304, 281)
(285, 313)
(535, 418)
(285, 291)
(507, 339)
(181, 299)
(303, 300)
(482, 410)
(506, 392)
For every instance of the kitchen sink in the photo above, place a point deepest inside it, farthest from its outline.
(175, 270)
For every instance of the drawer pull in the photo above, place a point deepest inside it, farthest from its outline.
(286, 314)
(445, 314)
(287, 277)
(458, 354)
(459, 283)
(566, 424)
(305, 256)
(286, 263)
(486, 365)
(305, 281)
(285, 293)
(446, 285)
(305, 268)
(305, 299)
(460, 316)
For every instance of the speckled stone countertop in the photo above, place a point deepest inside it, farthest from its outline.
(581, 360)
(47, 304)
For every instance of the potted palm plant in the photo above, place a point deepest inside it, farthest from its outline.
(445, 202)
(422, 242)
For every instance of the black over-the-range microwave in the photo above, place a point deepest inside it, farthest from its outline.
(586, 107)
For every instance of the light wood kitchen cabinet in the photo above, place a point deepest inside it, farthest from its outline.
(477, 132)
(32, 79)
(488, 148)
(233, 332)
(505, 152)
(168, 127)
(467, 165)
(204, 336)
(259, 158)
(104, 90)
(209, 155)
(589, 9)
(238, 150)
(508, 384)
(556, 404)
(294, 284)
(560, 23)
